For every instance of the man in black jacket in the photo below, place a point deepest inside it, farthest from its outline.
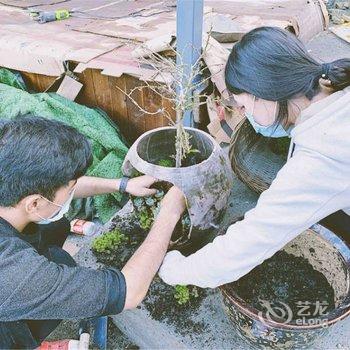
(42, 167)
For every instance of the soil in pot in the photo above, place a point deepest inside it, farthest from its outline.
(161, 146)
(285, 278)
(194, 157)
(147, 208)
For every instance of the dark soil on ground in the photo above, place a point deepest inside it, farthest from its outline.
(162, 306)
(160, 301)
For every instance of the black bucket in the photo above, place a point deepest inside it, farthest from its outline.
(327, 254)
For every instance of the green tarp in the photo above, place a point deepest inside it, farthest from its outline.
(108, 147)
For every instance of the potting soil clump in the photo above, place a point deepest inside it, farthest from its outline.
(147, 209)
(116, 247)
(286, 282)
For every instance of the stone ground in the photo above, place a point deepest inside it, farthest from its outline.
(203, 326)
(207, 325)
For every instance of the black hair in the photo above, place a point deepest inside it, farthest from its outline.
(273, 64)
(38, 156)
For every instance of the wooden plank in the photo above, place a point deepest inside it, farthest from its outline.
(100, 91)
(136, 117)
(169, 107)
(87, 96)
(152, 103)
(37, 82)
(118, 101)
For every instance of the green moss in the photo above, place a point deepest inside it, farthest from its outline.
(108, 242)
(168, 163)
(146, 220)
(147, 209)
(183, 294)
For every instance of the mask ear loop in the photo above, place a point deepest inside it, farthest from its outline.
(275, 117)
(275, 112)
(286, 122)
(254, 99)
(57, 205)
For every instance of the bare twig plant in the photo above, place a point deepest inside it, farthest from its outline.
(179, 85)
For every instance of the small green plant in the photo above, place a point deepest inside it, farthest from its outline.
(147, 209)
(108, 242)
(146, 220)
(182, 294)
(168, 163)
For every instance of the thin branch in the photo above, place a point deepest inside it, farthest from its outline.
(179, 88)
(137, 105)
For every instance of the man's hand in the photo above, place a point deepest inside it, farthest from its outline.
(139, 186)
(144, 264)
(174, 202)
(91, 186)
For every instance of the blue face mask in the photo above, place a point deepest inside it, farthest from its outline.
(270, 130)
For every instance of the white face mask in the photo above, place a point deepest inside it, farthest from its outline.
(59, 215)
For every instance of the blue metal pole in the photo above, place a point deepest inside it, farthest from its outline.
(100, 332)
(189, 21)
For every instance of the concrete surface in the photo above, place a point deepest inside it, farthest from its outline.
(216, 331)
(205, 326)
(328, 47)
(116, 339)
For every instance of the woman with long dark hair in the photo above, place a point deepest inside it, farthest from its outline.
(283, 91)
(273, 77)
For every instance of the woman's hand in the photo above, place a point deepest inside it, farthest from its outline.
(139, 186)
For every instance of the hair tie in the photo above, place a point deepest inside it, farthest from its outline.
(326, 67)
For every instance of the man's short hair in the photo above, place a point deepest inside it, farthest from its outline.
(38, 156)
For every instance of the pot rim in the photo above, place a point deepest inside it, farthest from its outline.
(215, 145)
(253, 313)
